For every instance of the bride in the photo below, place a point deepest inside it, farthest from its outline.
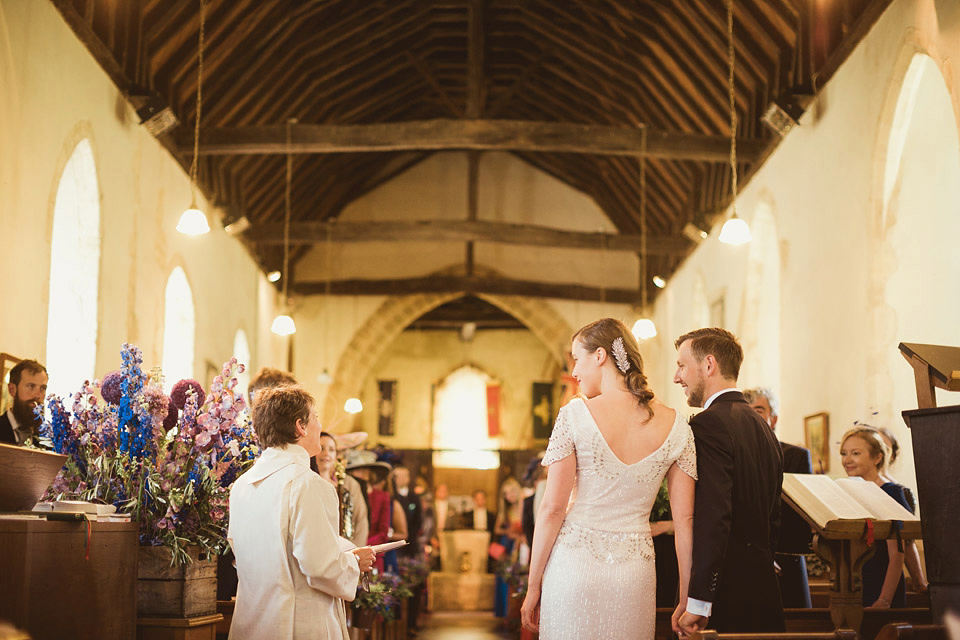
(592, 570)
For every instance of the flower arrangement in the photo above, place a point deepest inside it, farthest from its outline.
(385, 591)
(168, 461)
(413, 571)
(515, 575)
(661, 504)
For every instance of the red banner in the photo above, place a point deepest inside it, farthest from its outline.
(493, 410)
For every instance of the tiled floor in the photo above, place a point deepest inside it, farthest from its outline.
(463, 626)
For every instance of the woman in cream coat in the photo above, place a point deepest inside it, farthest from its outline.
(293, 571)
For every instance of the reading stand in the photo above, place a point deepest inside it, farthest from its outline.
(935, 432)
(842, 541)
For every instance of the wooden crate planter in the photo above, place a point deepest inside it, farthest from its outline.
(178, 592)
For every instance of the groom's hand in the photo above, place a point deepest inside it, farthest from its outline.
(690, 623)
(675, 618)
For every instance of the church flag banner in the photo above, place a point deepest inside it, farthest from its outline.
(493, 410)
(388, 407)
(542, 409)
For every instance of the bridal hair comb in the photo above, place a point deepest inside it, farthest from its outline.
(620, 355)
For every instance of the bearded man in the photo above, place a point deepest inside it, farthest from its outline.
(28, 388)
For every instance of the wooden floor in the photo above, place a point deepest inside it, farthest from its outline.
(463, 626)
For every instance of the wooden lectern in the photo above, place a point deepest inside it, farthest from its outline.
(844, 544)
(935, 432)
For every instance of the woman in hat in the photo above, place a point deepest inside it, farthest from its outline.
(364, 466)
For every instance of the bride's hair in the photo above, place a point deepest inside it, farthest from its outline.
(603, 334)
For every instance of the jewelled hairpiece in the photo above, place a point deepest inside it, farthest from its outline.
(620, 355)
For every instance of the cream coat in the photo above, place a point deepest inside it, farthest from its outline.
(293, 574)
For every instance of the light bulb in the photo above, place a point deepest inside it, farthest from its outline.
(735, 231)
(659, 281)
(193, 222)
(325, 377)
(273, 276)
(644, 329)
(353, 405)
(283, 325)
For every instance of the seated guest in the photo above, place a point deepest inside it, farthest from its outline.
(293, 572)
(864, 454)
(479, 518)
(28, 388)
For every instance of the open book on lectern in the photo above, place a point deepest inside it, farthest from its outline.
(825, 499)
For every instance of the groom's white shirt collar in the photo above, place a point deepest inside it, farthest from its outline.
(706, 405)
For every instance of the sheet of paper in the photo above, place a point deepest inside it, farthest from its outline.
(387, 546)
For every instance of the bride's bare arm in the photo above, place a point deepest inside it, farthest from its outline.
(681, 488)
(553, 509)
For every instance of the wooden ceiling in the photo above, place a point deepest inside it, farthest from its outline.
(376, 86)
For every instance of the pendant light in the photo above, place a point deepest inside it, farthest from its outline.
(735, 231)
(643, 329)
(283, 324)
(193, 222)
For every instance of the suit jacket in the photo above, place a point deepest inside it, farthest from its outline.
(795, 533)
(468, 520)
(736, 517)
(6, 430)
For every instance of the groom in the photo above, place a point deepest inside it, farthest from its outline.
(737, 503)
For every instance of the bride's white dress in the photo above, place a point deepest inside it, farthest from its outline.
(600, 580)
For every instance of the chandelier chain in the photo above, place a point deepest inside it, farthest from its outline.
(733, 106)
(643, 217)
(286, 216)
(196, 128)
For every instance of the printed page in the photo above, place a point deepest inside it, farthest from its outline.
(871, 496)
(822, 499)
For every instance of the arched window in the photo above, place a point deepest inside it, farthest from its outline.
(919, 260)
(761, 322)
(460, 437)
(179, 327)
(241, 351)
(74, 275)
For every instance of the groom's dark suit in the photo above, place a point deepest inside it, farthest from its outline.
(736, 517)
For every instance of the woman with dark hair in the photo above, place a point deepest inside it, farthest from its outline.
(592, 572)
(864, 454)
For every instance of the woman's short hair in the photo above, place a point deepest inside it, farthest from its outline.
(874, 442)
(276, 412)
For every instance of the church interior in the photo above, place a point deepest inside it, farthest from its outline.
(439, 193)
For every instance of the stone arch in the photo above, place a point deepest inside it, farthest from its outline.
(396, 314)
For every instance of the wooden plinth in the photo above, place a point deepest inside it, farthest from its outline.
(196, 628)
(461, 591)
(50, 589)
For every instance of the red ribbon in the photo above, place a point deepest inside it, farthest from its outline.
(869, 533)
(89, 532)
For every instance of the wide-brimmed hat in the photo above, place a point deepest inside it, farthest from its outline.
(350, 440)
(361, 459)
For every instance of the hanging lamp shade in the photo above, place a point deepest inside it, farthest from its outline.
(325, 377)
(193, 222)
(283, 325)
(644, 329)
(735, 232)
(353, 405)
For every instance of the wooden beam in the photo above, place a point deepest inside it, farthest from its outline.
(510, 135)
(463, 284)
(81, 26)
(475, 61)
(463, 231)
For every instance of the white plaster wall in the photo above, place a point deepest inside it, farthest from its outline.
(823, 185)
(53, 94)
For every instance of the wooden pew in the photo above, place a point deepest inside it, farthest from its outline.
(899, 630)
(839, 634)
